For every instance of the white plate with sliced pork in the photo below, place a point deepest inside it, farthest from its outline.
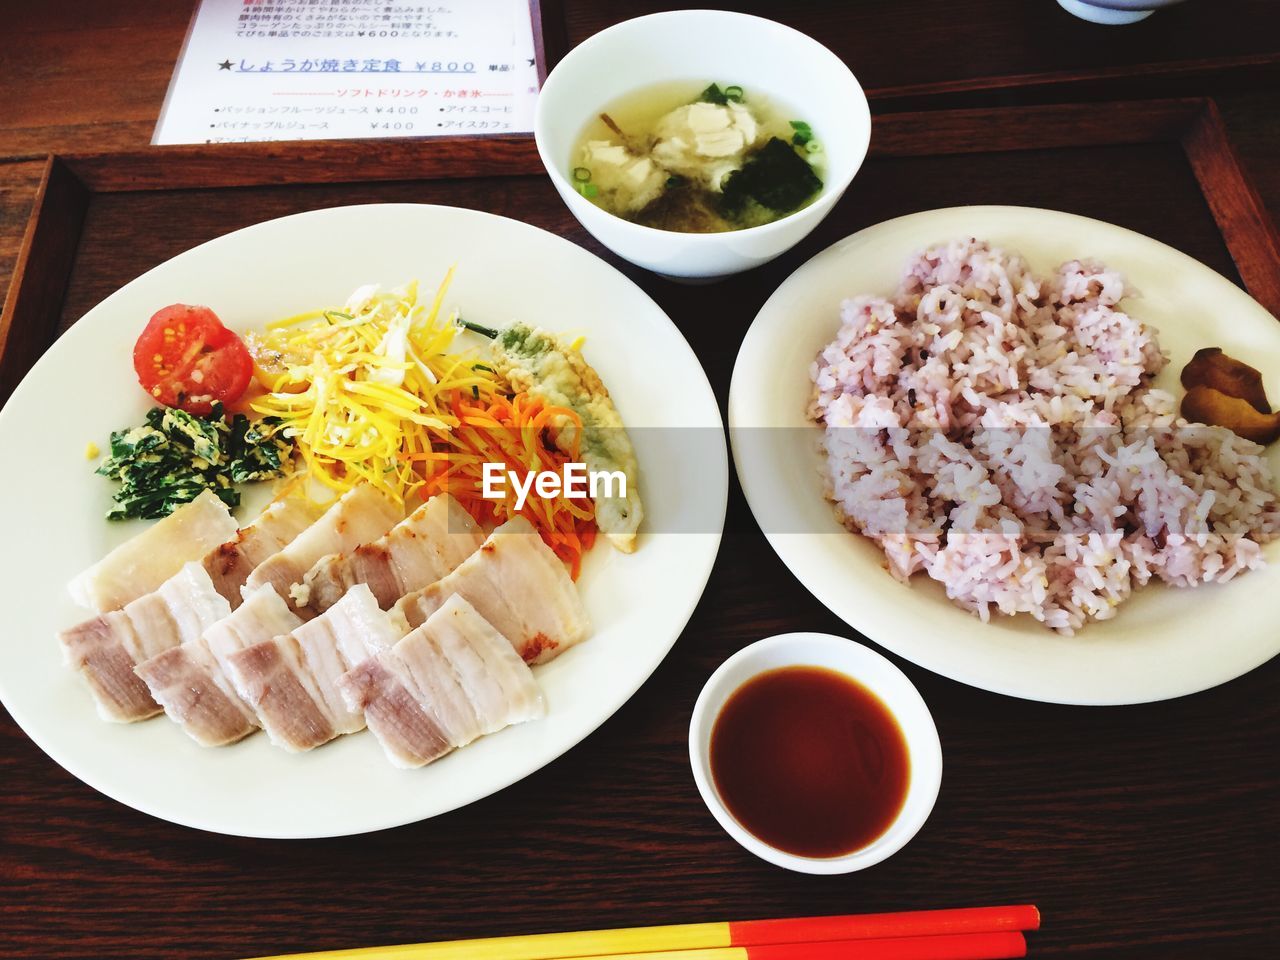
(265, 677)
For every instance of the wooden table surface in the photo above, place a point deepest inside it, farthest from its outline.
(1144, 831)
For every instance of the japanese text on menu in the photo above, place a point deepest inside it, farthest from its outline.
(335, 69)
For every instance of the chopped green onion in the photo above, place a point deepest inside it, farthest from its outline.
(590, 190)
(481, 366)
(804, 133)
(733, 93)
(813, 146)
(478, 328)
(475, 393)
(581, 175)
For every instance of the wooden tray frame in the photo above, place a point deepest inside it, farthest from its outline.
(70, 182)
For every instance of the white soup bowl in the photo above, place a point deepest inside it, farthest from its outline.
(703, 46)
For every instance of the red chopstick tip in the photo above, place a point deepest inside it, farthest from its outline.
(917, 923)
(999, 945)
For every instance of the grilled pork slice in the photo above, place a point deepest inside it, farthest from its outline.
(519, 586)
(444, 684)
(106, 648)
(361, 515)
(139, 566)
(419, 550)
(191, 682)
(229, 564)
(292, 680)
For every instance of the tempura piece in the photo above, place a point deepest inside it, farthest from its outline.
(519, 585)
(106, 648)
(535, 361)
(141, 565)
(229, 564)
(361, 515)
(191, 681)
(419, 550)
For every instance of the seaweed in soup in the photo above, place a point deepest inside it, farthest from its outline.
(775, 177)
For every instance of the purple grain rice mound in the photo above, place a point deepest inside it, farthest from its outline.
(998, 431)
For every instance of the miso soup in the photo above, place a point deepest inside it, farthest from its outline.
(697, 157)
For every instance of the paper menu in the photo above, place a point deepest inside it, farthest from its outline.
(254, 70)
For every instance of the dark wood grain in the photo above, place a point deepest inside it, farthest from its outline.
(19, 184)
(77, 75)
(29, 318)
(934, 50)
(1142, 832)
(315, 161)
(1249, 231)
(1038, 127)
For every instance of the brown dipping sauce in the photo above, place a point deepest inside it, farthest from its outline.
(810, 761)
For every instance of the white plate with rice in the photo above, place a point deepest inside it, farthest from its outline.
(1056, 501)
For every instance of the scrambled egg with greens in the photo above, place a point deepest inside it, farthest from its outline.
(169, 459)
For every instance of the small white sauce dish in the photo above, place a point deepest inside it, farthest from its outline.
(703, 45)
(875, 673)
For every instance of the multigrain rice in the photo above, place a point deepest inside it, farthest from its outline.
(998, 431)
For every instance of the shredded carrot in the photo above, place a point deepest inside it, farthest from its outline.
(518, 433)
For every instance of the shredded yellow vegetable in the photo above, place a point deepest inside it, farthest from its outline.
(361, 389)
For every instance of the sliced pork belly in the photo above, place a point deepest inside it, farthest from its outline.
(408, 732)
(191, 682)
(139, 566)
(291, 680)
(229, 564)
(419, 550)
(348, 633)
(443, 685)
(516, 583)
(361, 515)
(106, 648)
(422, 668)
(273, 677)
(497, 681)
(184, 681)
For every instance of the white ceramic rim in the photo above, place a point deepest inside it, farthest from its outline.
(924, 747)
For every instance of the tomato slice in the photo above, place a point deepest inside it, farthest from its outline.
(186, 358)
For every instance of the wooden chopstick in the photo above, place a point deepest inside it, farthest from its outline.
(965, 931)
